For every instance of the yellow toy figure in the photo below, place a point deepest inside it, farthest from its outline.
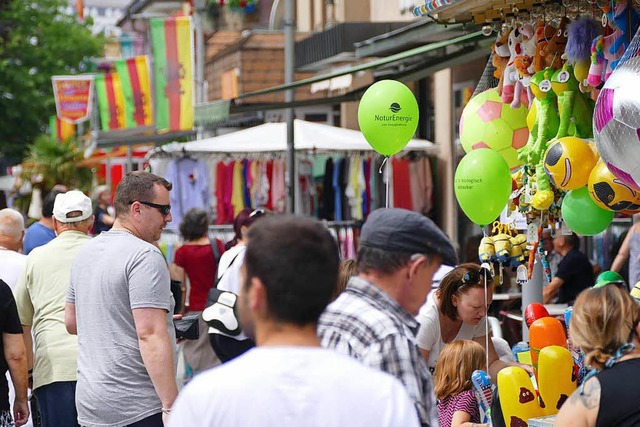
(518, 248)
(486, 250)
(502, 245)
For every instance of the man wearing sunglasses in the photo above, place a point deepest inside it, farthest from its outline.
(373, 319)
(120, 304)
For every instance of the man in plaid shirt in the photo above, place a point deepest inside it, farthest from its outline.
(373, 319)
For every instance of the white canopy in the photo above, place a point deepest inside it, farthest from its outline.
(272, 137)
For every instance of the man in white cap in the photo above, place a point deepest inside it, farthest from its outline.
(40, 298)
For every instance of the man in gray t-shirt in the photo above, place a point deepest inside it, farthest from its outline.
(120, 305)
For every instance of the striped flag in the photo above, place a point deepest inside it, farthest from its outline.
(136, 88)
(61, 130)
(172, 44)
(110, 101)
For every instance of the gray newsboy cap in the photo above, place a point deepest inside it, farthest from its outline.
(401, 230)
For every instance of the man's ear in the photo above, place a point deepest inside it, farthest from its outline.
(415, 265)
(257, 295)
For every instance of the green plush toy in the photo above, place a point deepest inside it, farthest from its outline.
(574, 108)
(544, 128)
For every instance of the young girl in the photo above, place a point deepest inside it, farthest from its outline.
(457, 405)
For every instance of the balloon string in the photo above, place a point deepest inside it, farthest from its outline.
(384, 162)
(486, 324)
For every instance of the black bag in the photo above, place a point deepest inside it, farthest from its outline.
(176, 290)
(187, 328)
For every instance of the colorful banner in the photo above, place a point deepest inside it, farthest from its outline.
(73, 97)
(110, 101)
(60, 129)
(172, 44)
(136, 88)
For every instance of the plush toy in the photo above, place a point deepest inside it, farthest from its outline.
(574, 108)
(524, 65)
(544, 33)
(545, 127)
(510, 73)
(518, 249)
(500, 58)
(602, 58)
(626, 19)
(502, 244)
(578, 50)
(486, 250)
(553, 50)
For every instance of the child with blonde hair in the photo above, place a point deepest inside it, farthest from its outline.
(457, 405)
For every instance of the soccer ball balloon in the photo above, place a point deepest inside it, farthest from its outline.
(487, 122)
(616, 123)
(609, 192)
(568, 163)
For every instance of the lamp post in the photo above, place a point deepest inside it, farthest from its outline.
(289, 63)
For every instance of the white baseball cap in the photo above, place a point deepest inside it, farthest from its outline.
(72, 201)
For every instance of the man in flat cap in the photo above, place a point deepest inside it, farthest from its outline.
(373, 319)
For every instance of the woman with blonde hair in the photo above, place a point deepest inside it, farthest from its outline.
(457, 405)
(604, 324)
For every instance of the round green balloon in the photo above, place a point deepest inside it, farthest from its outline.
(388, 116)
(482, 185)
(582, 215)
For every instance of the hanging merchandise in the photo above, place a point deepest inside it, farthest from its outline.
(190, 179)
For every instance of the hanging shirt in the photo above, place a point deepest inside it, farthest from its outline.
(401, 184)
(246, 175)
(279, 190)
(355, 187)
(190, 179)
(237, 191)
(221, 175)
(336, 190)
(328, 201)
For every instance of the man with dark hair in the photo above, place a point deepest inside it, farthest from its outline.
(373, 319)
(289, 274)
(575, 272)
(120, 304)
(40, 297)
(41, 232)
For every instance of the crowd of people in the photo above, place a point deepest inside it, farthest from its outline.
(301, 338)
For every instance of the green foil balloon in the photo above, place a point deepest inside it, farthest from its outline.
(482, 185)
(388, 116)
(582, 215)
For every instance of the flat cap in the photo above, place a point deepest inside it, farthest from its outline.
(401, 230)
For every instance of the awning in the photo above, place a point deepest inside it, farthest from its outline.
(272, 137)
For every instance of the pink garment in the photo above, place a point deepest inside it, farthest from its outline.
(278, 188)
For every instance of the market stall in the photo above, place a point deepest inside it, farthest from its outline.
(551, 140)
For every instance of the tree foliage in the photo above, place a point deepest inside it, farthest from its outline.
(37, 40)
(56, 162)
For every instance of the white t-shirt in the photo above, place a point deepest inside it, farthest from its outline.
(11, 266)
(293, 386)
(430, 336)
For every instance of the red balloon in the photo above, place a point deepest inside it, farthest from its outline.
(533, 312)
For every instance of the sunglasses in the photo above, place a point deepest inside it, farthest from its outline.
(472, 277)
(164, 209)
(256, 213)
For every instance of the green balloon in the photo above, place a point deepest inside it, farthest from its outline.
(388, 116)
(482, 185)
(582, 215)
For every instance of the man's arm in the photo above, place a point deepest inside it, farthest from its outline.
(551, 290)
(28, 345)
(70, 318)
(157, 352)
(15, 355)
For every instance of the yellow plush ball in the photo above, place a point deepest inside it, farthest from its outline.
(609, 192)
(568, 163)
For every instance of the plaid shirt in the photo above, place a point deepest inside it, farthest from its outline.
(366, 323)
